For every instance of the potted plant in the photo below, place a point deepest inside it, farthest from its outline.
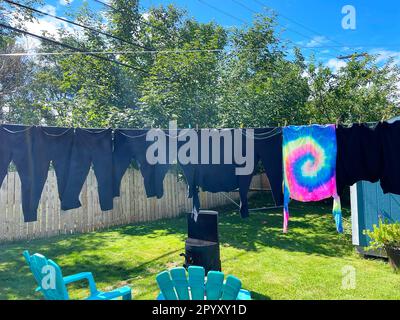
(386, 236)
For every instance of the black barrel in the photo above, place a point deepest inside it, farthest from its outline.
(202, 244)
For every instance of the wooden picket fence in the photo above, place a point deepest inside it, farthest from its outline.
(131, 207)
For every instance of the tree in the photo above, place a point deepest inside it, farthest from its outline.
(15, 71)
(183, 84)
(260, 86)
(359, 91)
(198, 73)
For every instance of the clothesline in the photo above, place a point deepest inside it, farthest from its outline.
(312, 162)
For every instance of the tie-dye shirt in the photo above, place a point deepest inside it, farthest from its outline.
(309, 162)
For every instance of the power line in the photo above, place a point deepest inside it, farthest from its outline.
(296, 22)
(292, 30)
(222, 11)
(76, 24)
(172, 51)
(58, 43)
(239, 19)
(353, 56)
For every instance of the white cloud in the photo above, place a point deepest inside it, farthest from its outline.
(65, 2)
(44, 24)
(335, 64)
(145, 16)
(317, 41)
(48, 8)
(384, 55)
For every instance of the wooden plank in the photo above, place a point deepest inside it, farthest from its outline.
(17, 208)
(132, 195)
(7, 211)
(90, 205)
(3, 208)
(174, 195)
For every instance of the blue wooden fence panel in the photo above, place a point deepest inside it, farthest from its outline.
(373, 203)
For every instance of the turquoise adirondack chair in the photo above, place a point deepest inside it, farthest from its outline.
(42, 267)
(175, 286)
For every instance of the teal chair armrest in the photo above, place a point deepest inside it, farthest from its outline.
(82, 276)
(124, 292)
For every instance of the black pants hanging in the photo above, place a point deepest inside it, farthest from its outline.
(211, 177)
(131, 145)
(91, 146)
(51, 145)
(223, 178)
(16, 146)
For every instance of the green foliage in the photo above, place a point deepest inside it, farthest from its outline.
(384, 235)
(246, 78)
(360, 91)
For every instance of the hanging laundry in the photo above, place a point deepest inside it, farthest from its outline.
(389, 137)
(359, 155)
(309, 162)
(51, 145)
(268, 149)
(222, 177)
(90, 147)
(131, 145)
(213, 176)
(16, 147)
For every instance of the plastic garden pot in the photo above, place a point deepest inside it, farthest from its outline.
(394, 257)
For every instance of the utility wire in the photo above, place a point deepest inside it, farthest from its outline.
(75, 24)
(296, 22)
(222, 11)
(292, 30)
(172, 51)
(239, 19)
(82, 51)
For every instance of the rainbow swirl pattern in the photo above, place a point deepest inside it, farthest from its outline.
(309, 161)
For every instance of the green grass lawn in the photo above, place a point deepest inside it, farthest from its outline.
(306, 263)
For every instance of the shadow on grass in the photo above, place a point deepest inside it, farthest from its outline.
(259, 296)
(312, 231)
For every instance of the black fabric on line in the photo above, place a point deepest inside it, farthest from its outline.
(90, 147)
(16, 146)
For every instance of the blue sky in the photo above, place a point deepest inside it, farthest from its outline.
(316, 25)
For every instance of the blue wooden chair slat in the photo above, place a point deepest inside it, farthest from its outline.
(174, 285)
(215, 281)
(196, 282)
(53, 285)
(231, 288)
(166, 285)
(181, 284)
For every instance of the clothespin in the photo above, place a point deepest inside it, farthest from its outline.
(359, 121)
(241, 126)
(310, 122)
(337, 122)
(197, 127)
(285, 123)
